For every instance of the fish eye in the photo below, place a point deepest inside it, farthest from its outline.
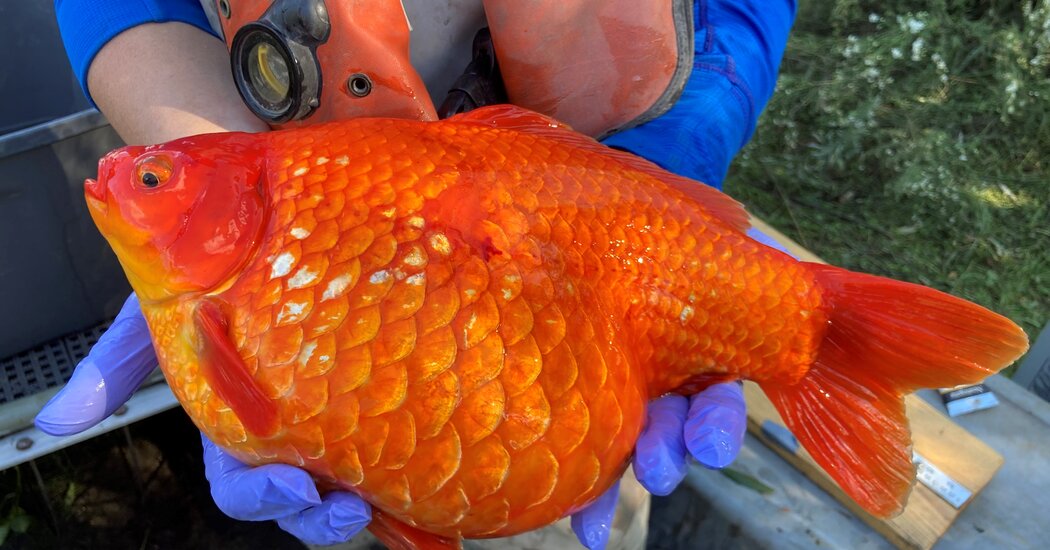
(153, 170)
(149, 179)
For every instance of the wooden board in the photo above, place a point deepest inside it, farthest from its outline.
(953, 450)
(950, 448)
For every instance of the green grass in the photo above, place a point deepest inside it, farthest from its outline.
(911, 144)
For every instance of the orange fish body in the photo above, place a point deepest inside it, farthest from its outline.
(462, 321)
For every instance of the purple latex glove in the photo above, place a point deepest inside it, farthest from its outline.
(592, 524)
(114, 369)
(283, 493)
(709, 424)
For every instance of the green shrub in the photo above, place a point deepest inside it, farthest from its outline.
(909, 141)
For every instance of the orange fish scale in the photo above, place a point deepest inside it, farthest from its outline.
(470, 342)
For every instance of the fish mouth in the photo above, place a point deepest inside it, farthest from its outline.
(94, 189)
(95, 195)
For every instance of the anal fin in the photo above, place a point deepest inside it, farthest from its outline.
(396, 535)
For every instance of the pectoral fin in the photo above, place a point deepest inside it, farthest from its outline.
(228, 376)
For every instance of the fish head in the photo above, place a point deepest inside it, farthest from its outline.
(184, 216)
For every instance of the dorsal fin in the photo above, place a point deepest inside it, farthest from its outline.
(511, 117)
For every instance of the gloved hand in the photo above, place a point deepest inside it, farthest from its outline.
(283, 493)
(115, 368)
(709, 425)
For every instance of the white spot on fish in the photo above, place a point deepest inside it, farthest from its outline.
(687, 313)
(468, 327)
(342, 161)
(416, 280)
(399, 275)
(324, 358)
(507, 294)
(416, 221)
(299, 233)
(470, 292)
(414, 258)
(440, 244)
(320, 329)
(379, 277)
(307, 352)
(322, 160)
(291, 311)
(389, 212)
(336, 287)
(299, 171)
(302, 278)
(282, 265)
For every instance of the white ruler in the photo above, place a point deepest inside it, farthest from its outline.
(939, 482)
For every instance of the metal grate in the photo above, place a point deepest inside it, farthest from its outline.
(47, 365)
(79, 344)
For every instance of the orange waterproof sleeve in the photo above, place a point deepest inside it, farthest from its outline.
(598, 65)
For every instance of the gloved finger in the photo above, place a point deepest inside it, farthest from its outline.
(592, 524)
(768, 241)
(254, 494)
(337, 519)
(714, 427)
(113, 369)
(660, 455)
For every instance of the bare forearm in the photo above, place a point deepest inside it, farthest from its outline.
(158, 82)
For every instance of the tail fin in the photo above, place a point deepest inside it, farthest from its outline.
(885, 339)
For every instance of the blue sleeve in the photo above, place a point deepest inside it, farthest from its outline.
(87, 25)
(739, 45)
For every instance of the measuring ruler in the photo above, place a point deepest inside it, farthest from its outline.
(939, 482)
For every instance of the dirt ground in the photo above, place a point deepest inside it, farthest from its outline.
(101, 496)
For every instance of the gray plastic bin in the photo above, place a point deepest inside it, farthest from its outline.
(58, 278)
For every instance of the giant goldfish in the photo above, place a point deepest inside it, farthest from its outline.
(462, 321)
